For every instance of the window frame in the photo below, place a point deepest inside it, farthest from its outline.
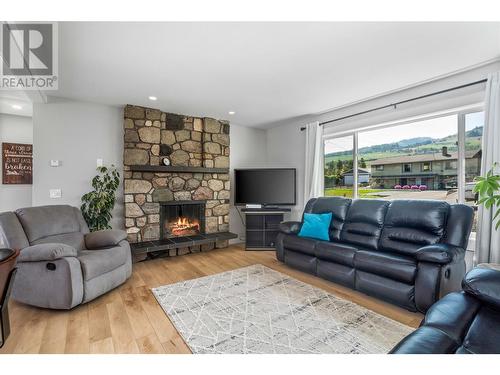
(459, 112)
(422, 169)
(403, 167)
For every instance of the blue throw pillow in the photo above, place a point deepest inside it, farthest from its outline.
(316, 226)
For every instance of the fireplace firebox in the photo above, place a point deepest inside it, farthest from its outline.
(182, 218)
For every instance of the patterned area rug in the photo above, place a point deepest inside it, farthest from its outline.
(258, 310)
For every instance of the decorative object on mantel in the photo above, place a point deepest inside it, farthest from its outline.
(198, 152)
(17, 164)
(98, 204)
(165, 150)
(258, 310)
(166, 161)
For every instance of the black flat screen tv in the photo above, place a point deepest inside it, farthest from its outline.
(271, 186)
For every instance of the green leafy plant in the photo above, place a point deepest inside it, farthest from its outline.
(488, 188)
(98, 204)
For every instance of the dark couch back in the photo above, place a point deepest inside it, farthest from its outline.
(337, 206)
(411, 224)
(401, 226)
(364, 223)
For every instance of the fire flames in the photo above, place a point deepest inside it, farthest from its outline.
(184, 226)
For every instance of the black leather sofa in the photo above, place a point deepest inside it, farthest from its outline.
(407, 252)
(466, 322)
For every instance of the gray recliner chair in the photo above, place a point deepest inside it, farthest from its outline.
(61, 264)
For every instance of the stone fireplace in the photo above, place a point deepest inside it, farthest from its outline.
(191, 192)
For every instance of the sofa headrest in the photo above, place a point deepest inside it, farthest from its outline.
(45, 221)
(425, 215)
(483, 284)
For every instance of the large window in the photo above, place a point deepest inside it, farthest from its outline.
(339, 175)
(473, 137)
(433, 158)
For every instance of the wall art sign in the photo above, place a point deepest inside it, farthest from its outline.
(17, 163)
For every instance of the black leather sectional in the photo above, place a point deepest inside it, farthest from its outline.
(461, 323)
(407, 252)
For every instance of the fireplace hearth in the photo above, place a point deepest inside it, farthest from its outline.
(182, 218)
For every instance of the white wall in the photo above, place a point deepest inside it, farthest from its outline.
(286, 148)
(15, 129)
(248, 150)
(77, 134)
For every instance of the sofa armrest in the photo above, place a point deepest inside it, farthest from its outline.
(440, 253)
(426, 340)
(46, 251)
(104, 238)
(290, 227)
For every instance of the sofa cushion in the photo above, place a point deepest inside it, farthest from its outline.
(394, 266)
(300, 244)
(337, 206)
(390, 290)
(44, 221)
(411, 224)
(97, 262)
(303, 262)
(483, 336)
(336, 252)
(364, 222)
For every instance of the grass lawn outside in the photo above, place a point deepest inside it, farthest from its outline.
(346, 192)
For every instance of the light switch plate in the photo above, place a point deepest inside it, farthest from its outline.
(55, 193)
(55, 163)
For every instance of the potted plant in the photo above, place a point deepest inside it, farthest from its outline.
(98, 204)
(488, 188)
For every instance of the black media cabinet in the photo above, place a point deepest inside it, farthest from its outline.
(262, 227)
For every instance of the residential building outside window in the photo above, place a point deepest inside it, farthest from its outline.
(451, 164)
(426, 166)
(411, 160)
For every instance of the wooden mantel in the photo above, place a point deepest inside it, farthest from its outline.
(180, 169)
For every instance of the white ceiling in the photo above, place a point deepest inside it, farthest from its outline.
(265, 72)
(15, 103)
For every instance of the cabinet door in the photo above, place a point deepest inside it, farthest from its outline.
(254, 222)
(273, 222)
(254, 239)
(270, 238)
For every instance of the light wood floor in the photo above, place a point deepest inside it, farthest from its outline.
(129, 320)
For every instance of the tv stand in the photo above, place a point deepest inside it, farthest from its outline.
(262, 227)
(266, 209)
